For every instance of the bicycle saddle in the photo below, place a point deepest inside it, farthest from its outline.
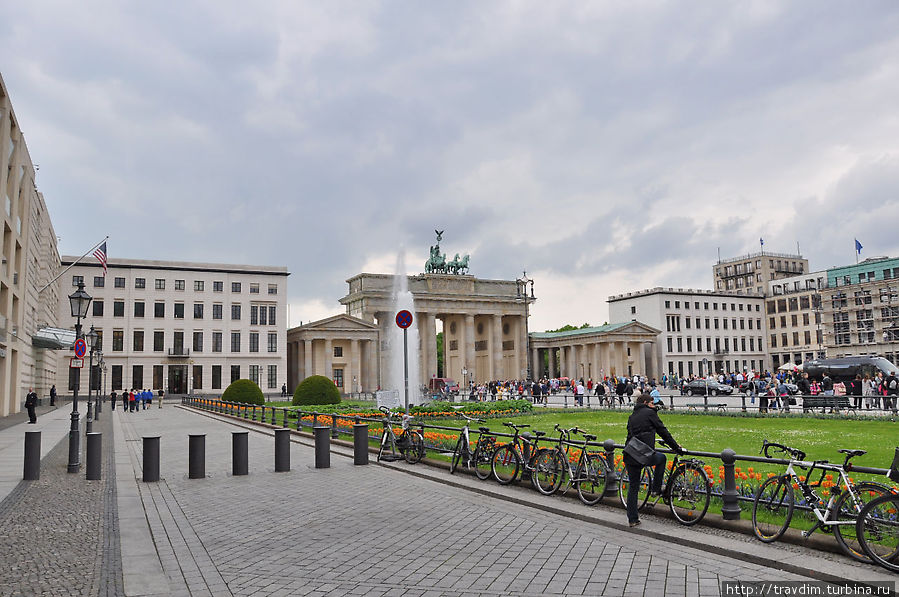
(539, 433)
(483, 429)
(852, 453)
(589, 437)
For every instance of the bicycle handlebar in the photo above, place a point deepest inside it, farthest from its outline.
(766, 445)
(470, 419)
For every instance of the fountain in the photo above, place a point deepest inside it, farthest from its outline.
(402, 299)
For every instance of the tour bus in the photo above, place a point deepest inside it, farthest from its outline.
(846, 368)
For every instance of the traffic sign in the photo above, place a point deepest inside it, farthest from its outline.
(404, 319)
(80, 348)
(76, 363)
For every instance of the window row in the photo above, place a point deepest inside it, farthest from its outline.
(705, 305)
(721, 345)
(673, 323)
(178, 347)
(159, 284)
(806, 339)
(259, 314)
(263, 375)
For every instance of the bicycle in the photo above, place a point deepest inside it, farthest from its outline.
(877, 529)
(516, 457)
(481, 457)
(774, 503)
(687, 490)
(410, 444)
(588, 475)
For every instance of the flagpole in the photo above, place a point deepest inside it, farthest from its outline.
(73, 264)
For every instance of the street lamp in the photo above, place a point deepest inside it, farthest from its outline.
(79, 301)
(91, 338)
(99, 382)
(521, 285)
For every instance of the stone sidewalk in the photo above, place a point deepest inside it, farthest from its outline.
(382, 530)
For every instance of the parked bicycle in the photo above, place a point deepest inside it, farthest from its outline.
(409, 444)
(877, 529)
(775, 501)
(588, 475)
(481, 457)
(517, 456)
(687, 489)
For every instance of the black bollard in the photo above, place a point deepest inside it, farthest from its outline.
(94, 455)
(611, 474)
(730, 510)
(239, 453)
(334, 426)
(196, 456)
(32, 471)
(743, 402)
(286, 411)
(322, 447)
(151, 459)
(254, 412)
(282, 450)
(360, 443)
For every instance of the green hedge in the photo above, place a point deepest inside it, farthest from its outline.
(316, 389)
(243, 391)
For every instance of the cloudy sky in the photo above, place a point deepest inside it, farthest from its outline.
(602, 146)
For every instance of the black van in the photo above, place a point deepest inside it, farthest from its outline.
(846, 368)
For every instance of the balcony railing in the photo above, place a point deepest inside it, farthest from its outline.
(179, 352)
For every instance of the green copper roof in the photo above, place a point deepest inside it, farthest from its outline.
(609, 327)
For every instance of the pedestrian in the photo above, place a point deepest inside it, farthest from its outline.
(283, 390)
(131, 397)
(600, 391)
(30, 405)
(580, 393)
(144, 398)
(643, 424)
(112, 397)
(149, 397)
(53, 395)
(892, 392)
(159, 398)
(856, 390)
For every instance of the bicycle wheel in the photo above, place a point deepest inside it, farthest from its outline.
(505, 464)
(415, 447)
(548, 471)
(772, 509)
(877, 529)
(847, 507)
(483, 460)
(642, 491)
(457, 455)
(591, 480)
(689, 493)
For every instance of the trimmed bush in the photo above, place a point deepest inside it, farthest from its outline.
(243, 391)
(316, 389)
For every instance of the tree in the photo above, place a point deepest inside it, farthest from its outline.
(568, 328)
(316, 389)
(244, 391)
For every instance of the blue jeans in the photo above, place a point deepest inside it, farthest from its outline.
(633, 473)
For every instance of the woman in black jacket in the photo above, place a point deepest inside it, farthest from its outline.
(644, 424)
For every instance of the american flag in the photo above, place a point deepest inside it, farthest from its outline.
(100, 254)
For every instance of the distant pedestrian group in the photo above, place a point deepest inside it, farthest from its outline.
(135, 400)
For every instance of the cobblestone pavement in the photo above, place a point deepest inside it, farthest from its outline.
(374, 531)
(60, 533)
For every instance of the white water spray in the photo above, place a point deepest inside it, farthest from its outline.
(402, 299)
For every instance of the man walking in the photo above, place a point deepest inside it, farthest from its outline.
(30, 404)
(53, 395)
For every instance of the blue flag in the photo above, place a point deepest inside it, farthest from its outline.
(858, 247)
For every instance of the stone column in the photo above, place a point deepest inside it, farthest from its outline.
(373, 377)
(355, 365)
(535, 363)
(431, 340)
(641, 363)
(329, 359)
(423, 346)
(522, 347)
(307, 360)
(552, 362)
(496, 347)
(563, 364)
(468, 335)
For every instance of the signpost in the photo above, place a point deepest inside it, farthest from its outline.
(76, 363)
(80, 348)
(403, 321)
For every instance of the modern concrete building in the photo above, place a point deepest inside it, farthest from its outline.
(794, 317)
(30, 259)
(750, 274)
(701, 330)
(179, 326)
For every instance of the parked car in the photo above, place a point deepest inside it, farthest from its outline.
(792, 388)
(699, 386)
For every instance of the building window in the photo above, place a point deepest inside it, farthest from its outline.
(235, 312)
(198, 341)
(159, 309)
(99, 339)
(216, 377)
(99, 281)
(235, 286)
(178, 343)
(137, 377)
(338, 351)
(158, 341)
(262, 317)
(76, 280)
(116, 377)
(633, 310)
(273, 289)
(235, 373)
(272, 342)
(338, 378)
(160, 284)
(179, 310)
(198, 310)
(217, 311)
(271, 315)
(118, 308)
(140, 282)
(272, 376)
(139, 308)
(198, 285)
(179, 284)
(158, 381)
(98, 308)
(217, 286)
(198, 377)
(235, 341)
(254, 315)
(138, 341)
(120, 282)
(254, 341)
(118, 340)
(254, 374)
(254, 288)
(216, 342)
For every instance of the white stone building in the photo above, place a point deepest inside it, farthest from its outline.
(182, 327)
(725, 329)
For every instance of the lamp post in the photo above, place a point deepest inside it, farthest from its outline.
(521, 286)
(99, 390)
(91, 338)
(79, 301)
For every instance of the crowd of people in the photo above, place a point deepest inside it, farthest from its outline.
(135, 400)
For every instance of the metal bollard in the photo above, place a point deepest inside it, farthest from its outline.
(239, 453)
(743, 402)
(32, 469)
(282, 450)
(322, 447)
(151, 459)
(254, 412)
(360, 443)
(333, 426)
(94, 455)
(286, 410)
(705, 401)
(196, 456)
(566, 400)
(730, 510)
(611, 474)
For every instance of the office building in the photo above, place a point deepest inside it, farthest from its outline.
(794, 317)
(750, 274)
